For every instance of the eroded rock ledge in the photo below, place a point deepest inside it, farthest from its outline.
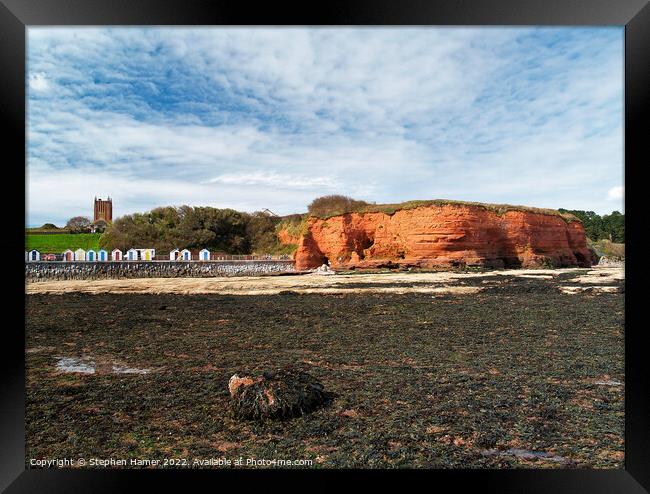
(445, 235)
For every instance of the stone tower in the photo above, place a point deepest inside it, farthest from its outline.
(103, 210)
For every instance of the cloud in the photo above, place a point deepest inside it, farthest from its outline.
(615, 193)
(274, 179)
(258, 118)
(38, 82)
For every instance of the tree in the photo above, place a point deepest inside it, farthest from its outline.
(188, 227)
(49, 226)
(78, 224)
(99, 226)
(334, 204)
(608, 227)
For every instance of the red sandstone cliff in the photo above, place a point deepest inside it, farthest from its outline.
(442, 236)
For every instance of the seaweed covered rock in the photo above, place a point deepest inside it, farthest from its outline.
(281, 394)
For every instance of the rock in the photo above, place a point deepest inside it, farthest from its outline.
(611, 261)
(281, 394)
(444, 235)
(324, 269)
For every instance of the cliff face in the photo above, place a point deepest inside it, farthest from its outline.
(443, 236)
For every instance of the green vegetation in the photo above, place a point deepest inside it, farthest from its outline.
(224, 230)
(334, 205)
(56, 243)
(608, 248)
(295, 225)
(608, 227)
(325, 211)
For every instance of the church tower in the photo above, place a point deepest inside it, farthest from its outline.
(103, 210)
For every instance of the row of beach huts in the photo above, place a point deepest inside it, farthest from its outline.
(130, 255)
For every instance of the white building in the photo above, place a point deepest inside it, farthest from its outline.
(204, 255)
(79, 255)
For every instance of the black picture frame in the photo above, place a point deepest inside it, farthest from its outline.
(17, 15)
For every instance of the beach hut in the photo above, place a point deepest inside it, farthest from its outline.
(174, 254)
(116, 255)
(131, 255)
(102, 256)
(68, 255)
(34, 255)
(148, 254)
(91, 256)
(204, 255)
(186, 255)
(79, 255)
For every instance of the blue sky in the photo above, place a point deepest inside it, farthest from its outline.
(253, 118)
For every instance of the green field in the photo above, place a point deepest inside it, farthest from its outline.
(59, 242)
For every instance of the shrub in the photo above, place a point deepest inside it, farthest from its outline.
(333, 205)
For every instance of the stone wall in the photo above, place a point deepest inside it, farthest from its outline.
(43, 271)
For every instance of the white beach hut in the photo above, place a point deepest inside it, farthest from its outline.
(79, 255)
(91, 255)
(68, 255)
(116, 255)
(174, 255)
(148, 254)
(102, 255)
(186, 255)
(34, 255)
(204, 255)
(131, 255)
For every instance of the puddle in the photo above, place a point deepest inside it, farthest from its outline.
(85, 365)
(120, 369)
(609, 383)
(525, 454)
(71, 364)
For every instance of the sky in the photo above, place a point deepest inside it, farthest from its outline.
(255, 118)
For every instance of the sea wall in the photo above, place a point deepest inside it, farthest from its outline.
(42, 271)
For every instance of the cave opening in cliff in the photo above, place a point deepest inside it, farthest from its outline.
(582, 260)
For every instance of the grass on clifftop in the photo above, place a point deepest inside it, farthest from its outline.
(499, 209)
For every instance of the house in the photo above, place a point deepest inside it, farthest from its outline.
(68, 255)
(186, 255)
(147, 254)
(116, 255)
(102, 255)
(91, 256)
(204, 255)
(79, 255)
(34, 255)
(132, 255)
(174, 254)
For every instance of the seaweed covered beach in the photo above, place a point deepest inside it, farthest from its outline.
(518, 373)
